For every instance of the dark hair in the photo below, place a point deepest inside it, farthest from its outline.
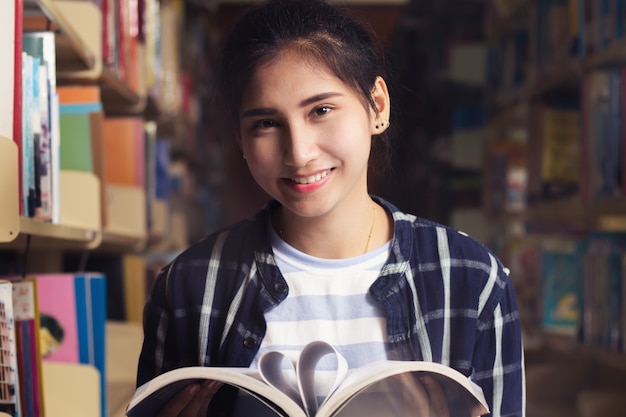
(313, 27)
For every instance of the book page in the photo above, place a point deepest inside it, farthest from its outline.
(306, 372)
(416, 382)
(273, 373)
(153, 395)
(307, 388)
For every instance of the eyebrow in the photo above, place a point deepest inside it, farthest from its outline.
(267, 111)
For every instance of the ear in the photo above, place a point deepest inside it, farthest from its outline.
(379, 117)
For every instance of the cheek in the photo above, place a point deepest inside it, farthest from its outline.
(351, 139)
(260, 156)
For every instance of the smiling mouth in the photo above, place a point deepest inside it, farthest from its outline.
(311, 178)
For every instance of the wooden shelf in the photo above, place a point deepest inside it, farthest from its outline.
(608, 214)
(514, 116)
(568, 213)
(564, 74)
(568, 344)
(572, 214)
(49, 235)
(117, 242)
(612, 56)
(73, 52)
(9, 190)
(78, 41)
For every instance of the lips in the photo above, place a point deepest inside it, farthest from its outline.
(311, 179)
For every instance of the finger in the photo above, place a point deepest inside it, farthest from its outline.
(179, 402)
(438, 402)
(415, 397)
(199, 404)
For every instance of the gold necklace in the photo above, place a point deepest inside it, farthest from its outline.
(369, 236)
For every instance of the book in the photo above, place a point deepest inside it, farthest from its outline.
(29, 132)
(560, 166)
(298, 396)
(57, 307)
(27, 329)
(91, 315)
(73, 308)
(562, 287)
(124, 151)
(9, 383)
(17, 93)
(77, 103)
(41, 45)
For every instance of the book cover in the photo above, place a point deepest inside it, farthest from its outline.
(58, 318)
(288, 387)
(27, 327)
(17, 92)
(76, 104)
(560, 164)
(562, 284)
(41, 45)
(35, 115)
(9, 383)
(135, 291)
(91, 315)
(124, 151)
(76, 153)
(28, 148)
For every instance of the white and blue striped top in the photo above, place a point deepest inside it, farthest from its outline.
(328, 300)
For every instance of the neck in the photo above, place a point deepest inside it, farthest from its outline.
(334, 236)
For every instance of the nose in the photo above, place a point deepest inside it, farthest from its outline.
(299, 146)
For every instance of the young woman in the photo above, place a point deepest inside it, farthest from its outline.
(324, 260)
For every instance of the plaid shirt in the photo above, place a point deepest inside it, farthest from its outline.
(447, 298)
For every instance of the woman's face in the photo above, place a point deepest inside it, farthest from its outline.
(306, 135)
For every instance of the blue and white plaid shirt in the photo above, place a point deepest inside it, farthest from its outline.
(447, 299)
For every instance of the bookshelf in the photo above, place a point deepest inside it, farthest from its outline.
(9, 211)
(16, 228)
(554, 68)
(78, 42)
(77, 28)
(96, 215)
(74, 52)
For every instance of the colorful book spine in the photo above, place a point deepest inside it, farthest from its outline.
(9, 383)
(27, 340)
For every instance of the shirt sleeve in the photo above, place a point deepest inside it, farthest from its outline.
(498, 355)
(156, 326)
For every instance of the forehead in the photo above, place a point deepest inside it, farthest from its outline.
(291, 71)
(295, 71)
(291, 59)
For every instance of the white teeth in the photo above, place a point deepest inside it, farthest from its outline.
(312, 178)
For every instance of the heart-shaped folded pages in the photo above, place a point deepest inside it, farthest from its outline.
(304, 393)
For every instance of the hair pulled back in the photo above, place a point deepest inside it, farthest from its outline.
(312, 27)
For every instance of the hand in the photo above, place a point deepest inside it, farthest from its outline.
(193, 401)
(426, 397)
(438, 402)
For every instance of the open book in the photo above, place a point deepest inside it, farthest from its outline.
(419, 382)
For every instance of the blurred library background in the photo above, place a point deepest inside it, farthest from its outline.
(507, 124)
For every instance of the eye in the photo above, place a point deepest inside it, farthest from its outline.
(264, 124)
(321, 110)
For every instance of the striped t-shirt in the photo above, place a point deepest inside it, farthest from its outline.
(328, 300)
